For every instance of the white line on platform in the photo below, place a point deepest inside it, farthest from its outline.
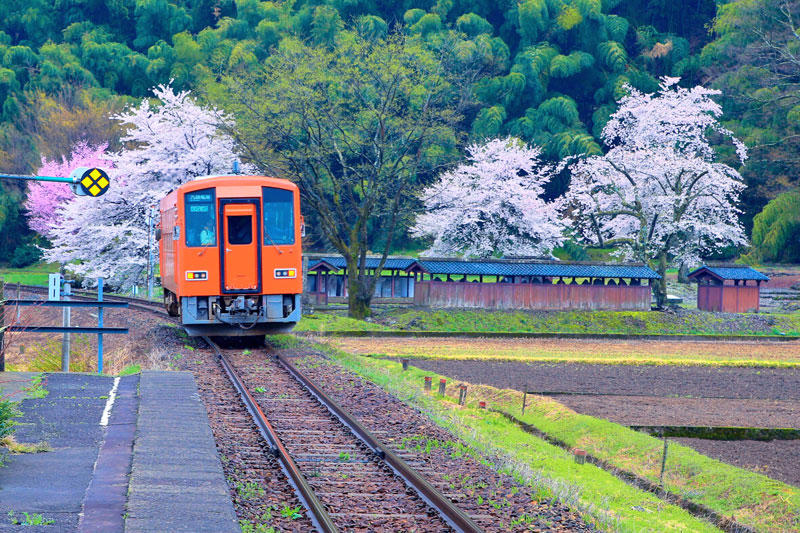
(109, 403)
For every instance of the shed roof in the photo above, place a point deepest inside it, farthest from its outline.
(338, 263)
(529, 268)
(729, 272)
(496, 267)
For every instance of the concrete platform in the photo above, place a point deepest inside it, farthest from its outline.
(176, 481)
(128, 454)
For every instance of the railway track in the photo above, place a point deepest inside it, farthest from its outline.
(345, 477)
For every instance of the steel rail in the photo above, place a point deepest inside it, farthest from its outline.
(451, 514)
(319, 515)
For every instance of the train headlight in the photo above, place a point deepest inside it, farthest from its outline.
(196, 275)
(285, 273)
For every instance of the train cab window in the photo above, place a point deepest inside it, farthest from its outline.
(201, 218)
(278, 216)
(240, 229)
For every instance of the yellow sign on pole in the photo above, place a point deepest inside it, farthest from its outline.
(94, 182)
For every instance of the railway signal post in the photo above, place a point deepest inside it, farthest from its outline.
(84, 181)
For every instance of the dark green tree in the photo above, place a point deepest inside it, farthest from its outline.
(776, 230)
(357, 126)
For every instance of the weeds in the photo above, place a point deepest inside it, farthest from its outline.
(344, 456)
(249, 490)
(292, 513)
(37, 390)
(30, 519)
(11, 444)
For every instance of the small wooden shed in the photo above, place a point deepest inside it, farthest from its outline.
(725, 288)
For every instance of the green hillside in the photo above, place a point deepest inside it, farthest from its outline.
(548, 71)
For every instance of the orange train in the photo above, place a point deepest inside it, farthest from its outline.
(230, 255)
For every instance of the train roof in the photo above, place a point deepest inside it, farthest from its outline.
(233, 180)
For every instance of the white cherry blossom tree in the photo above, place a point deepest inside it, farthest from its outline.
(660, 195)
(167, 143)
(491, 204)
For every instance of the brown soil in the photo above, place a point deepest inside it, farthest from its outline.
(660, 411)
(651, 380)
(776, 459)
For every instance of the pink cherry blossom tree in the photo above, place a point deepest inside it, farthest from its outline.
(167, 143)
(492, 205)
(46, 199)
(660, 195)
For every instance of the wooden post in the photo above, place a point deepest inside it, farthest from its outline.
(663, 462)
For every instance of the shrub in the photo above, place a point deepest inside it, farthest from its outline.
(25, 255)
(8, 412)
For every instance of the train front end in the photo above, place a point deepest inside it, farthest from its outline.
(231, 258)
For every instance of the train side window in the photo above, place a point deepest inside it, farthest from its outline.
(278, 216)
(201, 218)
(240, 229)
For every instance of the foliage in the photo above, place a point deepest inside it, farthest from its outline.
(356, 127)
(46, 200)
(776, 230)
(25, 255)
(492, 205)
(659, 193)
(165, 145)
(546, 71)
(753, 60)
(8, 412)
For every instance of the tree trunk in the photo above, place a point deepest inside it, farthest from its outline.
(661, 284)
(358, 305)
(359, 295)
(683, 274)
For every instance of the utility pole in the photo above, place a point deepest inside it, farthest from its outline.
(150, 254)
(66, 344)
(2, 326)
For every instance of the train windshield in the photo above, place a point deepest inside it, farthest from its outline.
(278, 216)
(201, 218)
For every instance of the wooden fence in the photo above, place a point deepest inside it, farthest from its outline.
(532, 296)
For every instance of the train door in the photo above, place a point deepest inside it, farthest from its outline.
(240, 227)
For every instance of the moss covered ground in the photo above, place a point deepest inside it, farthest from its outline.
(682, 322)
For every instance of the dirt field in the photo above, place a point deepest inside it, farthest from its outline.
(776, 459)
(662, 352)
(663, 381)
(675, 395)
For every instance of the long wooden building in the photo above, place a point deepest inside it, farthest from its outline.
(492, 284)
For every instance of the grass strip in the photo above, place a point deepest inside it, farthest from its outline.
(598, 495)
(749, 498)
(560, 323)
